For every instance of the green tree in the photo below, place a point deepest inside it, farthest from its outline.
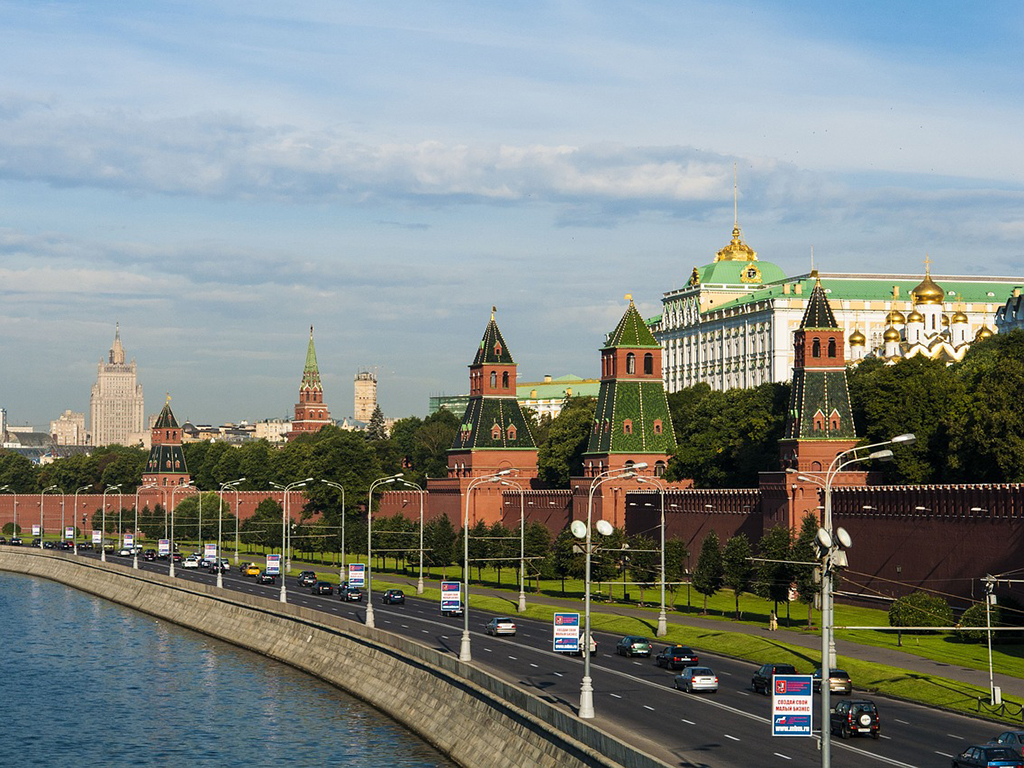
(566, 562)
(376, 429)
(439, 541)
(644, 562)
(676, 558)
(919, 609)
(263, 527)
(737, 568)
(17, 472)
(708, 575)
(433, 439)
(560, 456)
(536, 545)
(774, 578)
(804, 550)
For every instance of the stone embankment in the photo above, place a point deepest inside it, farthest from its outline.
(470, 715)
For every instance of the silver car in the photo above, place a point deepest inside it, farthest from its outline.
(697, 679)
(501, 626)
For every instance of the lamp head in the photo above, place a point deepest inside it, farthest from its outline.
(884, 455)
(906, 439)
(844, 538)
(578, 529)
(641, 465)
(604, 527)
(824, 539)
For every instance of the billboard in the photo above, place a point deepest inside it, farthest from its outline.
(451, 597)
(164, 547)
(357, 575)
(567, 632)
(274, 564)
(210, 552)
(97, 537)
(69, 532)
(792, 705)
(129, 540)
(35, 530)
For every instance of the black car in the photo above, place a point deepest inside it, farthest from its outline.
(49, 545)
(393, 597)
(322, 588)
(149, 554)
(677, 657)
(266, 578)
(3, 539)
(214, 566)
(1012, 739)
(85, 546)
(307, 578)
(15, 541)
(855, 716)
(351, 594)
(988, 756)
(762, 680)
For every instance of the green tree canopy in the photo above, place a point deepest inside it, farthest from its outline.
(737, 569)
(709, 573)
(560, 456)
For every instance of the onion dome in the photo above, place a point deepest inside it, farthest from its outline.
(857, 339)
(915, 317)
(984, 333)
(927, 292)
(959, 317)
(895, 317)
(945, 321)
(736, 250)
(891, 334)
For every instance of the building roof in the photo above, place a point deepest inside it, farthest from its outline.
(311, 371)
(559, 388)
(632, 417)
(493, 350)
(631, 331)
(818, 313)
(166, 418)
(494, 423)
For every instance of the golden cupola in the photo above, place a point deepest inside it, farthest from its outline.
(945, 321)
(891, 334)
(927, 291)
(895, 317)
(736, 250)
(984, 333)
(857, 339)
(915, 317)
(960, 317)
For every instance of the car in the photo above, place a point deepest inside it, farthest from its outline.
(677, 657)
(49, 545)
(124, 552)
(351, 594)
(149, 554)
(265, 578)
(307, 578)
(1011, 739)
(85, 546)
(988, 756)
(393, 597)
(251, 569)
(501, 625)
(224, 566)
(697, 679)
(37, 542)
(838, 681)
(3, 539)
(762, 680)
(15, 541)
(66, 545)
(633, 645)
(176, 557)
(854, 716)
(322, 588)
(191, 562)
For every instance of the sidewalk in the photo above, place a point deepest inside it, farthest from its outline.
(1012, 686)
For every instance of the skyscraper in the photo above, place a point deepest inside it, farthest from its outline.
(116, 406)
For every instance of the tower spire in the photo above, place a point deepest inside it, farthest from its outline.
(735, 199)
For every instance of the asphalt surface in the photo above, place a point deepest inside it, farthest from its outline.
(636, 700)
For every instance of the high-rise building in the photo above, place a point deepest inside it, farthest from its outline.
(311, 415)
(69, 429)
(116, 406)
(365, 395)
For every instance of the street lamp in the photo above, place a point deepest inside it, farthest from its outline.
(338, 486)
(284, 531)
(174, 491)
(220, 527)
(369, 543)
(238, 508)
(522, 543)
(465, 653)
(662, 615)
(75, 515)
(135, 536)
(103, 521)
(419, 583)
(831, 543)
(581, 531)
(41, 493)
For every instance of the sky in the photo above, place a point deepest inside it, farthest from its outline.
(217, 176)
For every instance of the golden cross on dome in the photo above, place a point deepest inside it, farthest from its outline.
(927, 264)
(168, 398)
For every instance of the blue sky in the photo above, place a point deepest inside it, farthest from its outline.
(218, 175)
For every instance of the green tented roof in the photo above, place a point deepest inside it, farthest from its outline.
(311, 371)
(166, 418)
(493, 349)
(631, 331)
(486, 423)
(642, 403)
(814, 392)
(819, 312)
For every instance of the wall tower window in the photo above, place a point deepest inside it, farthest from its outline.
(630, 363)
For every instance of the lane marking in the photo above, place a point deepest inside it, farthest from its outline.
(943, 754)
(616, 696)
(688, 722)
(784, 757)
(954, 736)
(731, 737)
(533, 665)
(647, 707)
(896, 719)
(513, 658)
(558, 674)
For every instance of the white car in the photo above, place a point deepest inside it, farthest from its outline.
(697, 679)
(501, 626)
(190, 562)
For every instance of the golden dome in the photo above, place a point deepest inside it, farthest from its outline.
(945, 321)
(915, 317)
(895, 317)
(737, 250)
(984, 333)
(857, 339)
(891, 334)
(960, 317)
(927, 292)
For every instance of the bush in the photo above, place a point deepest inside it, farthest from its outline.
(1006, 613)
(920, 610)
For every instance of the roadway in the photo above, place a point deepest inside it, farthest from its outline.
(636, 700)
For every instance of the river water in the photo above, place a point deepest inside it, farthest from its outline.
(84, 682)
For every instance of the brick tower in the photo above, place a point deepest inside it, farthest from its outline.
(311, 415)
(166, 465)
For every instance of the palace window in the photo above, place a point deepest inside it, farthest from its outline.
(831, 346)
(648, 364)
(630, 363)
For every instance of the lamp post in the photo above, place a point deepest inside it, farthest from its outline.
(220, 527)
(284, 530)
(830, 543)
(41, 494)
(75, 515)
(339, 487)
(174, 491)
(585, 532)
(419, 583)
(103, 521)
(135, 536)
(369, 543)
(662, 615)
(522, 543)
(238, 508)
(990, 599)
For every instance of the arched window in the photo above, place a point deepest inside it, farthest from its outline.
(630, 363)
(659, 468)
(648, 364)
(831, 346)
(504, 380)
(816, 348)
(627, 427)
(494, 379)
(495, 432)
(511, 432)
(657, 426)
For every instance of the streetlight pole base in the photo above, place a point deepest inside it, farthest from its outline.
(369, 615)
(172, 569)
(662, 625)
(220, 578)
(464, 652)
(284, 593)
(522, 602)
(135, 562)
(587, 698)
(419, 586)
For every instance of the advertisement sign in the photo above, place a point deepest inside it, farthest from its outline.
(357, 575)
(97, 537)
(211, 552)
(451, 597)
(273, 565)
(567, 632)
(35, 530)
(163, 547)
(792, 705)
(69, 532)
(129, 540)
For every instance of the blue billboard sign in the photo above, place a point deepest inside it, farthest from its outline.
(792, 705)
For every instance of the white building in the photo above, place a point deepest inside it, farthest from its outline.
(116, 406)
(273, 430)
(365, 402)
(1011, 315)
(69, 429)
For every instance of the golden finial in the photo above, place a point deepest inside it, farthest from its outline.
(735, 197)
(168, 398)
(927, 264)
(311, 331)
(628, 297)
(493, 310)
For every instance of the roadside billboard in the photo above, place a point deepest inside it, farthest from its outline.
(567, 632)
(274, 564)
(164, 547)
(69, 532)
(129, 540)
(357, 575)
(97, 537)
(792, 705)
(211, 552)
(451, 597)
(35, 530)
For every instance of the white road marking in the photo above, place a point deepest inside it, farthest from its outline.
(784, 757)
(688, 722)
(558, 674)
(731, 737)
(943, 754)
(616, 696)
(533, 665)
(744, 693)
(513, 658)
(647, 707)
(896, 719)
(954, 736)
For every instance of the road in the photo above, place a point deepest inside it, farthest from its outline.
(636, 700)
